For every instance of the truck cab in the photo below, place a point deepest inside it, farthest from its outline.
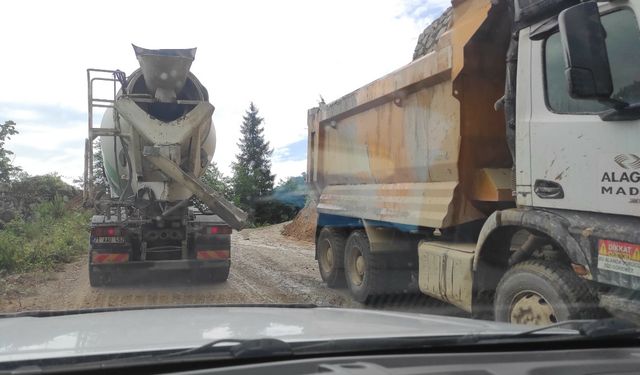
(580, 159)
(578, 156)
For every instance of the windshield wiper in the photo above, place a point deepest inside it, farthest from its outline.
(214, 350)
(51, 313)
(591, 329)
(269, 347)
(232, 349)
(265, 347)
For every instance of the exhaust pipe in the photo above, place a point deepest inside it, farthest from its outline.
(165, 70)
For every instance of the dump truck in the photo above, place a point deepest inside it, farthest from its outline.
(499, 171)
(157, 138)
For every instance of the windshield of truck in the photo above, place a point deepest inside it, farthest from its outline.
(174, 174)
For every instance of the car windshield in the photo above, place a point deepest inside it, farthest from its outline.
(190, 172)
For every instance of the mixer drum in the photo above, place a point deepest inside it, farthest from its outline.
(167, 93)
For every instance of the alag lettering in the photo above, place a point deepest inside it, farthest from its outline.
(621, 177)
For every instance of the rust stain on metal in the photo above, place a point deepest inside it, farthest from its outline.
(492, 185)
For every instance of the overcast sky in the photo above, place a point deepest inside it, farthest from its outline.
(282, 55)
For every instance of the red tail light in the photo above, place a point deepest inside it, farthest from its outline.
(106, 232)
(222, 229)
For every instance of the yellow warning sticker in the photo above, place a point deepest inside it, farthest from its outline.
(622, 257)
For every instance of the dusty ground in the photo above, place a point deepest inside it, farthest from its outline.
(266, 268)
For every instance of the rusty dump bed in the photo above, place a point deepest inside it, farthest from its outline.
(422, 145)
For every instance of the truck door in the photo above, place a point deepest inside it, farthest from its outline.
(579, 161)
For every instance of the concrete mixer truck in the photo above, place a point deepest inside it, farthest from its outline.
(499, 172)
(157, 137)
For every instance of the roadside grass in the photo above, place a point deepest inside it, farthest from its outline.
(54, 236)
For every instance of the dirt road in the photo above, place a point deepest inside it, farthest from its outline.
(266, 268)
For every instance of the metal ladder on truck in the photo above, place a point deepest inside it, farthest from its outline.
(118, 79)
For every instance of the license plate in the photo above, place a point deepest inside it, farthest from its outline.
(617, 256)
(108, 240)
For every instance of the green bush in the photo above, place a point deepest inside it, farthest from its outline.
(30, 192)
(9, 248)
(52, 209)
(54, 236)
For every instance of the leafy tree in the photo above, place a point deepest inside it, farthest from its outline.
(29, 191)
(7, 169)
(216, 180)
(252, 179)
(42, 187)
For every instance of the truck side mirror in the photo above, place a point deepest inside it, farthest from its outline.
(585, 52)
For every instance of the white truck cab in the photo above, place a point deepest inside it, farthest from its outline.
(568, 156)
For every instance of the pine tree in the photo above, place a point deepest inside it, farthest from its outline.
(252, 179)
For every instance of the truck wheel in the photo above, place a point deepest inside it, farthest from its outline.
(221, 275)
(330, 252)
(364, 271)
(537, 292)
(218, 275)
(97, 279)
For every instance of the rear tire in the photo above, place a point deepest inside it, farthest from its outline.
(330, 253)
(221, 275)
(537, 292)
(364, 271)
(217, 275)
(97, 279)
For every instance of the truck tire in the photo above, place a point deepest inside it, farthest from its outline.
(218, 275)
(97, 279)
(330, 253)
(221, 275)
(537, 292)
(364, 271)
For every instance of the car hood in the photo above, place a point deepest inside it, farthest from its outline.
(125, 331)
